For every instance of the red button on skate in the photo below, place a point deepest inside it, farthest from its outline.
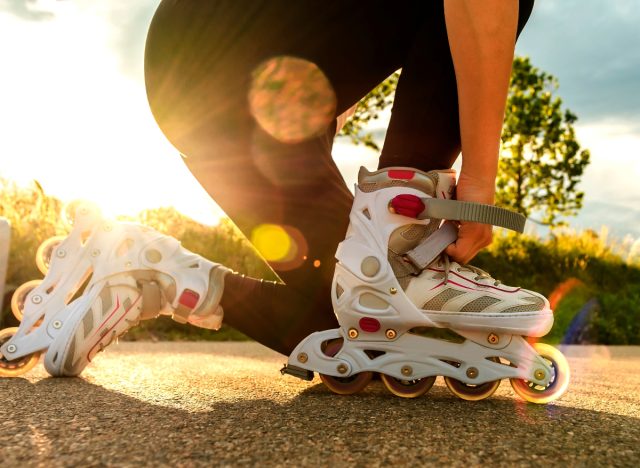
(369, 324)
(407, 205)
(189, 298)
(399, 174)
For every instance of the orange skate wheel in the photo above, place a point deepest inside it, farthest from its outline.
(558, 384)
(20, 296)
(18, 366)
(45, 253)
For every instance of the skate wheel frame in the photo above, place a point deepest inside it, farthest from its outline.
(20, 296)
(19, 366)
(558, 384)
(344, 385)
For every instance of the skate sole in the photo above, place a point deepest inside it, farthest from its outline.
(534, 324)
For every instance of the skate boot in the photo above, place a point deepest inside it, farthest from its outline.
(408, 312)
(129, 273)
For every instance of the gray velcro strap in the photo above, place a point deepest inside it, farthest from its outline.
(456, 210)
(151, 300)
(429, 249)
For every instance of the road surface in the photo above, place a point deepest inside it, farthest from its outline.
(189, 404)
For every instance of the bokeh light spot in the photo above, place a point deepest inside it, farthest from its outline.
(316, 263)
(291, 99)
(272, 241)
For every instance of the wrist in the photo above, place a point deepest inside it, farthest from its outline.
(477, 189)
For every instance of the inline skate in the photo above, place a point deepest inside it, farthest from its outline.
(101, 280)
(409, 313)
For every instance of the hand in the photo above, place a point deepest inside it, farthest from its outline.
(472, 237)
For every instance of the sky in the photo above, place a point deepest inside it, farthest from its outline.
(74, 115)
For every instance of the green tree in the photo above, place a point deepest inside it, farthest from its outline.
(541, 161)
(369, 109)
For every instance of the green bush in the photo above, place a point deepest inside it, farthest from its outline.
(609, 271)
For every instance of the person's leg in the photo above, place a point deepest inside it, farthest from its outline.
(200, 61)
(424, 130)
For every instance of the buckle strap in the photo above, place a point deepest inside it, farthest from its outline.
(428, 250)
(457, 210)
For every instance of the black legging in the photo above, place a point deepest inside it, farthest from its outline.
(199, 60)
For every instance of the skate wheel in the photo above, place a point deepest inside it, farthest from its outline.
(18, 366)
(557, 385)
(347, 385)
(344, 385)
(45, 253)
(20, 296)
(407, 388)
(471, 392)
(75, 208)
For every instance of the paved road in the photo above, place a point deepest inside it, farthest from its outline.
(191, 404)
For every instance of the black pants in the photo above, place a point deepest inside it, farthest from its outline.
(199, 62)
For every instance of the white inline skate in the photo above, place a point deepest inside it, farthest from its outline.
(409, 313)
(129, 273)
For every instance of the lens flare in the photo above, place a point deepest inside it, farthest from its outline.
(272, 241)
(284, 247)
(291, 99)
(562, 290)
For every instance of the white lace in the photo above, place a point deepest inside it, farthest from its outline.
(480, 274)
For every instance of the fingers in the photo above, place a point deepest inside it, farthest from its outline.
(472, 237)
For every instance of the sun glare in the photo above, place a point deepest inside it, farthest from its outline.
(73, 121)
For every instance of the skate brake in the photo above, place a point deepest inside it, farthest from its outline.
(303, 374)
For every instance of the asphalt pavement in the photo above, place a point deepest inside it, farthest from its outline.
(193, 404)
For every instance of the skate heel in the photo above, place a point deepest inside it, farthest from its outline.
(298, 372)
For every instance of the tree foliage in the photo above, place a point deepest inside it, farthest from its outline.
(541, 160)
(369, 109)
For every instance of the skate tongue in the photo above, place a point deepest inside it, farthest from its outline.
(446, 185)
(427, 251)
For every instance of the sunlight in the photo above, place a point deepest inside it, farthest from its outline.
(73, 122)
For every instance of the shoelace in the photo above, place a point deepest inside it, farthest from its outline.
(480, 274)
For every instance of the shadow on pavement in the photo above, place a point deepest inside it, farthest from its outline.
(72, 421)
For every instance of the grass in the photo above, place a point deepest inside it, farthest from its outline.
(574, 269)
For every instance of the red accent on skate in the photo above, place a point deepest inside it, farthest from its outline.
(110, 315)
(407, 205)
(400, 174)
(369, 324)
(189, 298)
(114, 325)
